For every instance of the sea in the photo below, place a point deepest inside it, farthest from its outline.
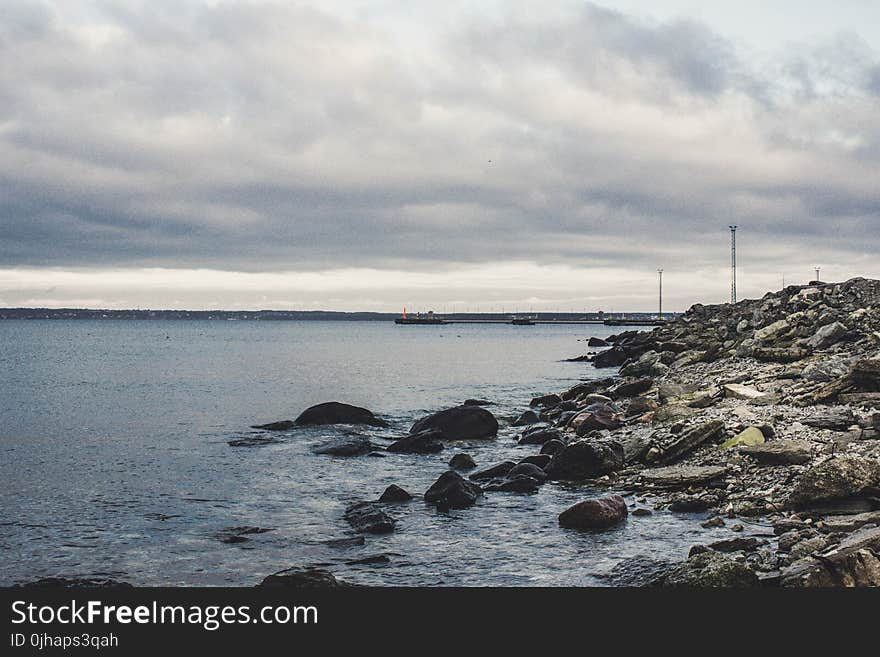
(126, 452)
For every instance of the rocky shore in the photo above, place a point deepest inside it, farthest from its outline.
(760, 418)
(764, 411)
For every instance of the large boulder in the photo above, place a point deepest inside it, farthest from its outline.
(710, 569)
(836, 478)
(595, 514)
(338, 413)
(423, 442)
(460, 423)
(597, 416)
(452, 491)
(462, 462)
(827, 335)
(613, 357)
(494, 471)
(585, 459)
(395, 493)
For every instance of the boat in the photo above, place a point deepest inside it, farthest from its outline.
(522, 321)
(428, 319)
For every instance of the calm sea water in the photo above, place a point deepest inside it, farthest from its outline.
(115, 456)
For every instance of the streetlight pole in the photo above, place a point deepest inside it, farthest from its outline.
(660, 297)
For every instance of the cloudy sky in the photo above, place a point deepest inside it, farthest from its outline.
(368, 155)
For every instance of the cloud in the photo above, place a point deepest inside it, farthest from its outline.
(260, 137)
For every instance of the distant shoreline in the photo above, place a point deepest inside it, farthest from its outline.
(282, 315)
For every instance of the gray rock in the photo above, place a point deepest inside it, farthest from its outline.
(839, 477)
(462, 462)
(585, 459)
(710, 569)
(452, 491)
(460, 423)
(338, 413)
(369, 518)
(780, 452)
(423, 442)
(682, 476)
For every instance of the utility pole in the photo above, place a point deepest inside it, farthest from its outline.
(660, 299)
(732, 264)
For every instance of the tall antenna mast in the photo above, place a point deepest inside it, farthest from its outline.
(660, 300)
(732, 264)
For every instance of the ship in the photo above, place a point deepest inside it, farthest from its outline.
(522, 321)
(429, 318)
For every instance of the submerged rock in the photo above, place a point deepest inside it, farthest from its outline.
(75, 583)
(460, 423)
(283, 425)
(338, 413)
(395, 493)
(452, 491)
(638, 571)
(369, 518)
(527, 418)
(462, 462)
(423, 442)
(494, 471)
(302, 578)
(349, 446)
(595, 514)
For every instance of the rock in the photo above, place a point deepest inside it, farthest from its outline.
(354, 541)
(827, 369)
(779, 354)
(631, 389)
(772, 331)
(597, 342)
(597, 416)
(641, 405)
(838, 477)
(423, 442)
(552, 447)
(739, 544)
(477, 402)
(529, 470)
(452, 491)
(338, 413)
(692, 439)
(739, 391)
(546, 401)
(369, 518)
(780, 452)
(827, 335)
(837, 419)
(749, 436)
(74, 583)
(541, 460)
(673, 413)
(395, 493)
(585, 459)
(283, 425)
(646, 364)
(540, 436)
(682, 476)
(853, 562)
(493, 471)
(669, 392)
(638, 571)
(613, 357)
(690, 503)
(527, 418)
(462, 462)
(460, 423)
(515, 484)
(595, 514)
(642, 511)
(710, 569)
(302, 578)
(348, 446)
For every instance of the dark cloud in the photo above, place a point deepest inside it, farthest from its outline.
(267, 137)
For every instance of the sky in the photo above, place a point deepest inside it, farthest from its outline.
(492, 156)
